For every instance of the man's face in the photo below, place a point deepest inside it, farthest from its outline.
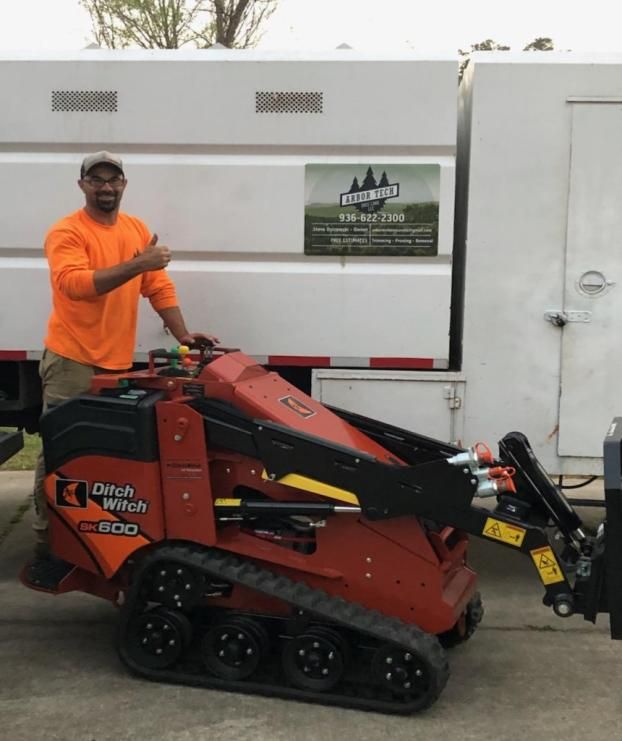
(103, 187)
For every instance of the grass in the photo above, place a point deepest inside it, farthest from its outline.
(26, 459)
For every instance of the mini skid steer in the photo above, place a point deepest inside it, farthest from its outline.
(255, 540)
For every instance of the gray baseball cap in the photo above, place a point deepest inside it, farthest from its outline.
(100, 158)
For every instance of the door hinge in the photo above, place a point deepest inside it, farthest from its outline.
(453, 400)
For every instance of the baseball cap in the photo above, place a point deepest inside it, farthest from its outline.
(100, 158)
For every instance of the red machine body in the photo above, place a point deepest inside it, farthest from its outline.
(396, 566)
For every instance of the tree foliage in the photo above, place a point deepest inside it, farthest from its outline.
(171, 24)
(541, 43)
(487, 45)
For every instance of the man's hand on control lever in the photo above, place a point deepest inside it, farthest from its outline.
(198, 340)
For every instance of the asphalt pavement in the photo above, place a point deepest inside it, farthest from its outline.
(526, 674)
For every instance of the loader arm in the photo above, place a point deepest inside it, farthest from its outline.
(431, 480)
(523, 520)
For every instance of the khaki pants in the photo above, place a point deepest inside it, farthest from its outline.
(61, 379)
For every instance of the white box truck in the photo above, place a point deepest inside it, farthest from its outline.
(440, 258)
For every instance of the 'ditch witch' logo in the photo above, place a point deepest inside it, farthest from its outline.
(301, 409)
(370, 196)
(71, 494)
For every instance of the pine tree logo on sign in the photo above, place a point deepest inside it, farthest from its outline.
(370, 196)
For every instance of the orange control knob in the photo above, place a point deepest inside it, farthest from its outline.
(501, 472)
(484, 454)
(505, 485)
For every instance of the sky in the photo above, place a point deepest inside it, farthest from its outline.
(437, 26)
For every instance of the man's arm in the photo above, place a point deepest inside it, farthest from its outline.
(174, 320)
(152, 258)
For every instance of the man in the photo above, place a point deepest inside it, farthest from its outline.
(101, 260)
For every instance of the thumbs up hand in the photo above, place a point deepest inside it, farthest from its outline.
(154, 256)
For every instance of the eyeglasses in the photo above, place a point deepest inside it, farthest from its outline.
(115, 182)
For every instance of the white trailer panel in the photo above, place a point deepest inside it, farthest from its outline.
(215, 146)
(591, 351)
(543, 209)
(209, 97)
(427, 402)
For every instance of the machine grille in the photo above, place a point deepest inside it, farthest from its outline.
(288, 102)
(84, 100)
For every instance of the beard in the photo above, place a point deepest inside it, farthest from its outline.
(107, 203)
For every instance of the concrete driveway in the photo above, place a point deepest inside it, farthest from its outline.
(526, 674)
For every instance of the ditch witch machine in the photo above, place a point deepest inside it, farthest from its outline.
(258, 541)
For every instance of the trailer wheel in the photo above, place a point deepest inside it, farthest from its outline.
(466, 625)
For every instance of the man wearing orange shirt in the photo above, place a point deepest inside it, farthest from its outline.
(101, 261)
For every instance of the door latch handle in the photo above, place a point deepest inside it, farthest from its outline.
(561, 318)
(557, 318)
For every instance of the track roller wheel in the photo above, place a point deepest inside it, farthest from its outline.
(234, 648)
(466, 625)
(406, 674)
(316, 659)
(176, 586)
(258, 630)
(157, 638)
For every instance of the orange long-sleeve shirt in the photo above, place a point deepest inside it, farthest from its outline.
(91, 329)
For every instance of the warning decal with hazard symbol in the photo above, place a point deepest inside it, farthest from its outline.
(498, 530)
(547, 565)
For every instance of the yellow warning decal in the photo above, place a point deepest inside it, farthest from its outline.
(227, 502)
(547, 565)
(510, 534)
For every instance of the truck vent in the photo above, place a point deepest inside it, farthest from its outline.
(84, 100)
(277, 102)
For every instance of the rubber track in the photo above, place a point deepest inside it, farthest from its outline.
(474, 615)
(230, 568)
